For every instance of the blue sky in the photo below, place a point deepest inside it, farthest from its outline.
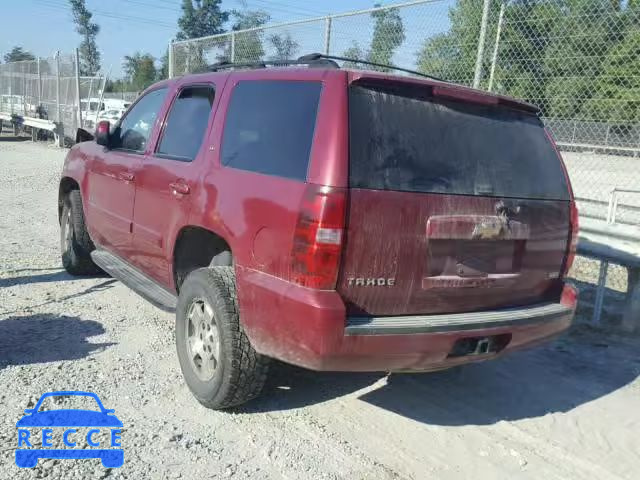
(44, 26)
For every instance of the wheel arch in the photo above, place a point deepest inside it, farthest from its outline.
(67, 184)
(196, 247)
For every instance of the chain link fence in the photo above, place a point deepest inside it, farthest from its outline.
(50, 89)
(578, 60)
(126, 96)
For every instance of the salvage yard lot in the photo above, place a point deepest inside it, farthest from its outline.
(570, 409)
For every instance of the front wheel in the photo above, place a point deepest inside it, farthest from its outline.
(219, 364)
(75, 243)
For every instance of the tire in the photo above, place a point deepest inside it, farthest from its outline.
(75, 244)
(238, 372)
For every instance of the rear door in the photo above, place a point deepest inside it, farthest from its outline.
(168, 176)
(454, 205)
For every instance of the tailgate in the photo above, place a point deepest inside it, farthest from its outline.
(454, 206)
(407, 253)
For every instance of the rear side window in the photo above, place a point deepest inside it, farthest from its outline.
(269, 127)
(187, 123)
(418, 144)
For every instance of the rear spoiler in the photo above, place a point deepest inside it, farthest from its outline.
(432, 88)
(454, 92)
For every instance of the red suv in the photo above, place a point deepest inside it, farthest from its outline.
(328, 218)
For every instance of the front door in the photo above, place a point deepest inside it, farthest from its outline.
(112, 177)
(167, 178)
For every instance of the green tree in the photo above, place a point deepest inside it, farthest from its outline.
(529, 29)
(284, 45)
(113, 86)
(163, 71)
(356, 52)
(440, 56)
(248, 45)
(573, 58)
(88, 50)
(616, 97)
(201, 18)
(388, 35)
(452, 55)
(140, 70)
(576, 59)
(18, 54)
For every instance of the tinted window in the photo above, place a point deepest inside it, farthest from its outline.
(402, 142)
(187, 123)
(134, 130)
(269, 127)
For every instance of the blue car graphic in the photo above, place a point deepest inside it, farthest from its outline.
(111, 458)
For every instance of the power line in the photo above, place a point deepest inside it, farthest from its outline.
(132, 18)
(289, 8)
(154, 5)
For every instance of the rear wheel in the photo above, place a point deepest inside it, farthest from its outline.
(75, 244)
(219, 364)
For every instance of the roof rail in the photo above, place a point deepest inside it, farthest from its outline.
(312, 60)
(318, 56)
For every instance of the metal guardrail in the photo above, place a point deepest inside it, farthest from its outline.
(614, 198)
(609, 241)
(38, 123)
(599, 148)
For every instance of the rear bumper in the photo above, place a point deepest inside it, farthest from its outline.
(310, 328)
(417, 324)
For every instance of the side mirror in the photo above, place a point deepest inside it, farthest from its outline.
(29, 410)
(102, 133)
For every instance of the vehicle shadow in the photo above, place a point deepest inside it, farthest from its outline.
(289, 387)
(105, 285)
(557, 377)
(612, 306)
(56, 276)
(6, 138)
(33, 269)
(42, 338)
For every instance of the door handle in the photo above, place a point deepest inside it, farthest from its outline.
(180, 188)
(127, 176)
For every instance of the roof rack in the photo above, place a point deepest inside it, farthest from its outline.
(304, 60)
(315, 56)
(313, 60)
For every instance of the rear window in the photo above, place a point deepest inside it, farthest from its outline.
(404, 142)
(269, 127)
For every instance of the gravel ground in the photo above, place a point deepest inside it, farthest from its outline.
(567, 410)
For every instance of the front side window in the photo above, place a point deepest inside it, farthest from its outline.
(133, 132)
(269, 127)
(187, 123)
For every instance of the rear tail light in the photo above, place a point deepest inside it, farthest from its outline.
(318, 237)
(569, 297)
(574, 228)
(574, 225)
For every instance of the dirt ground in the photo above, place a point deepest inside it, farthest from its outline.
(567, 410)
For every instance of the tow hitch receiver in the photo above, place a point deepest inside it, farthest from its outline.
(473, 346)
